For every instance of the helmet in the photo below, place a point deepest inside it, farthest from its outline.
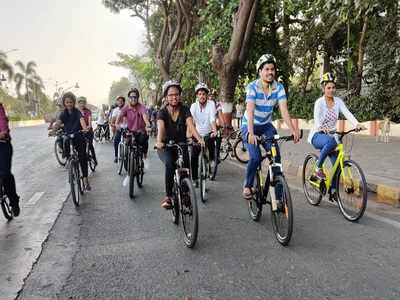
(82, 99)
(328, 77)
(266, 58)
(201, 86)
(170, 83)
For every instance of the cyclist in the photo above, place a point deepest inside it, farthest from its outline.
(261, 97)
(87, 115)
(203, 112)
(103, 123)
(6, 152)
(326, 113)
(173, 121)
(117, 128)
(137, 121)
(73, 123)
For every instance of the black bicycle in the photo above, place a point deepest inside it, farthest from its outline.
(74, 173)
(102, 132)
(5, 203)
(184, 202)
(123, 154)
(90, 156)
(279, 199)
(58, 148)
(135, 164)
(204, 172)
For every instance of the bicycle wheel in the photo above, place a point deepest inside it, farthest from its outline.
(175, 204)
(352, 191)
(91, 162)
(216, 163)
(74, 182)
(226, 147)
(97, 133)
(6, 207)
(121, 156)
(189, 212)
(203, 177)
(139, 171)
(282, 218)
(311, 185)
(132, 168)
(58, 151)
(240, 151)
(254, 205)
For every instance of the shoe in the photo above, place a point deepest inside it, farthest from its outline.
(196, 183)
(15, 208)
(87, 185)
(166, 203)
(212, 165)
(146, 164)
(115, 160)
(333, 195)
(320, 174)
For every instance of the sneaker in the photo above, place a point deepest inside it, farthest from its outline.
(146, 164)
(87, 185)
(333, 195)
(15, 208)
(115, 160)
(196, 183)
(320, 174)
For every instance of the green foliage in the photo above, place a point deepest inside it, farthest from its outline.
(119, 88)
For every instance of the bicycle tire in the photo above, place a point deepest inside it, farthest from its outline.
(225, 148)
(240, 151)
(96, 134)
(282, 233)
(6, 207)
(203, 177)
(140, 171)
(61, 161)
(91, 162)
(121, 158)
(313, 195)
(254, 205)
(343, 189)
(132, 168)
(175, 205)
(188, 212)
(216, 163)
(73, 181)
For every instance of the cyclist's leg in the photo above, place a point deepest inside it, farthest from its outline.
(325, 143)
(269, 131)
(6, 152)
(255, 158)
(195, 162)
(170, 156)
(210, 143)
(143, 140)
(91, 147)
(80, 146)
(117, 139)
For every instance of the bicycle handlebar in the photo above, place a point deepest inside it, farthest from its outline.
(265, 139)
(343, 133)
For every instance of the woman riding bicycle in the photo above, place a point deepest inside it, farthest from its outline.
(261, 97)
(6, 152)
(74, 123)
(87, 115)
(326, 113)
(173, 121)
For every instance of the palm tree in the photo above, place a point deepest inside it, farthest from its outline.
(5, 66)
(25, 77)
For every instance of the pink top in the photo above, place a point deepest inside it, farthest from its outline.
(86, 113)
(134, 116)
(3, 120)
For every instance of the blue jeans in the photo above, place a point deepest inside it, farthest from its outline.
(254, 152)
(326, 143)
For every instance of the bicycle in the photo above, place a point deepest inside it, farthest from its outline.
(280, 200)
(135, 164)
(122, 153)
(74, 175)
(5, 203)
(58, 147)
(184, 202)
(91, 162)
(343, 173)
(204, 174)
(102, 132)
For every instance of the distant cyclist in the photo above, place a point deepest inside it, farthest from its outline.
(87, 115)
(117, 127)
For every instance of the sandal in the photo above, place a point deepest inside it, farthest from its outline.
(166, 203)
(248, 194)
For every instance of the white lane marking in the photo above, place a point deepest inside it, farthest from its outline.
(369, 214)
(35, 198)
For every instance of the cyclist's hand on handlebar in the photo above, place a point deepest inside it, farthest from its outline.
(252, 139)
(201, 142)
(296, 135)
(213, 134)
(160, 145)
(361, 127)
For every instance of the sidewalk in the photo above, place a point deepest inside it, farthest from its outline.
(379, 161)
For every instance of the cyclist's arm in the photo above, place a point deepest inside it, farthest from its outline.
(212, 119)
(192, 129)
(348, 115)
(90, 122)
(83, 124)
(286, 118)
(160, 132)
(146, 120)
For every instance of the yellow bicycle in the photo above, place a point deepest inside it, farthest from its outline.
(345, 181)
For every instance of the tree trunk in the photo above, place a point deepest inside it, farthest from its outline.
(227, 65)
(360, 60)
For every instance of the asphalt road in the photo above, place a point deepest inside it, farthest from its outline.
(113, 247)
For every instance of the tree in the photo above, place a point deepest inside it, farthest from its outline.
(26, 77)
(5, 65)
(119, 88)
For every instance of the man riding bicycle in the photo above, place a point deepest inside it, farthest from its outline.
(117, 127)
(173, 121)
(261, 97)
(137, 121)
(203, 112)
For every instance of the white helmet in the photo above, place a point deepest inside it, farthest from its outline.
(201, 86)
(266, 58)
(170, 83)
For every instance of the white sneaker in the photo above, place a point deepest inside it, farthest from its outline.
(126, 181)
(146, 164)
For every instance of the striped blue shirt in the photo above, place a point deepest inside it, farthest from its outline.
(264, 103)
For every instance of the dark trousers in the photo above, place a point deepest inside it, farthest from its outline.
(90, 138)
(6, 177)
(171, 155)
(210, 146)
(117, 139)
(80, 146)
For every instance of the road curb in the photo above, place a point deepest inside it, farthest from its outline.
(385, 193)
(25, 123)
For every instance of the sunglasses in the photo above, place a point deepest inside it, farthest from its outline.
(133, 97)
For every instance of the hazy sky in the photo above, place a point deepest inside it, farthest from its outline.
(70, 40)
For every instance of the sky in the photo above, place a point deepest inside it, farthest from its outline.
(70, 40)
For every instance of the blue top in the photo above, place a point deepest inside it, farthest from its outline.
(264, 103)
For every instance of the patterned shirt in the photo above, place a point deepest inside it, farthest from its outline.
(330, 119)
(264, 103)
